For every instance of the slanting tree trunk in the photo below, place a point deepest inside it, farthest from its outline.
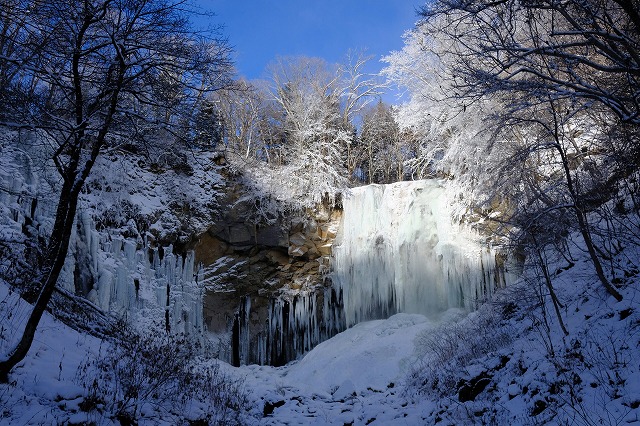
(549, 283)
(583, 224)
(586, 236)
(53, 263)
(74, 177)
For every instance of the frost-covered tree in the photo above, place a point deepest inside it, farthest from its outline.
(443, 133)
(555, 66)
(382, 150)
(582, 50)
(307, 92)
(86, 75)
(294, 135)
(359, 90)
(206, 127)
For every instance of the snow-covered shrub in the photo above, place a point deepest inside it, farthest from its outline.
(443, 349)
(124, 215)
(158, 375)
(172, 159)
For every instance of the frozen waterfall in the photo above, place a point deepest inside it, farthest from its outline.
(398, 250)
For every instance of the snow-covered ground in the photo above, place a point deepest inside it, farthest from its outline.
(382, 372)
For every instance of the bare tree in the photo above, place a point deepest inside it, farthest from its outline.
(359, 90)
(94, 69)
(243, 109)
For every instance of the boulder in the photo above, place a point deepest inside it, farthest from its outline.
(298, 239)
(345, 391)
(468, 390)
(209, 249)
(297, 225)
(240, 234)
(271, 236)
(278, 257)
(312, 252)
(325, 249)
(298, 251)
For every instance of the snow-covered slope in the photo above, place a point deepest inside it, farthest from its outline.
(42, 389)
(72, 378)
(498, 365)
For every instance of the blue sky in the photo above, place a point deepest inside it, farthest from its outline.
(261, 30)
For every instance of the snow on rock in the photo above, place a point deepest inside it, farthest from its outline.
(167, 205)
(353, 378)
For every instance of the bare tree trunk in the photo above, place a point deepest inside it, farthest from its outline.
(552, 293)
(583, 225)
(74, 175)
(586, 236)
(56, 255)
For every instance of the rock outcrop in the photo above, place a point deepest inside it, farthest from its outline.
(250, 267)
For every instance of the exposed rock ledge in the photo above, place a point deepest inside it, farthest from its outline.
(242, 259)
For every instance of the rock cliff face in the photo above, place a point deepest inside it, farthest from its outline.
(266, 286)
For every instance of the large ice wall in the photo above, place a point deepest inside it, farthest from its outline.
(399, 250)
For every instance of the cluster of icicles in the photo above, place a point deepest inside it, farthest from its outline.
(144, 285)
(139, 283)
(295, 324)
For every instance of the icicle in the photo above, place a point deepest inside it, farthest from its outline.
(244, 331)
